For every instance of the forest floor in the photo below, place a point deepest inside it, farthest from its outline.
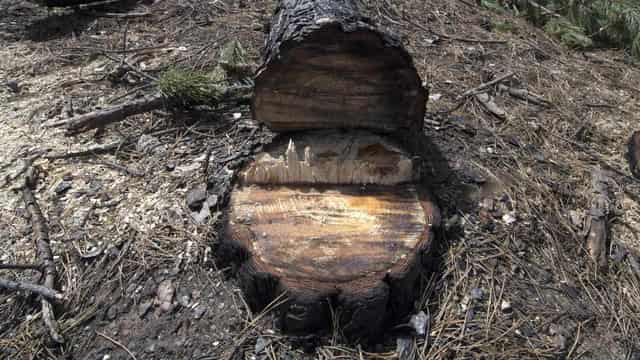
(511, 278)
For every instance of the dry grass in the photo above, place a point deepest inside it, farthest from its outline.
(533, 166)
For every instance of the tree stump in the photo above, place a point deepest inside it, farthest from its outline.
(333, 216)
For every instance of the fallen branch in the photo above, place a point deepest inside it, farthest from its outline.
(481, 87)
(113, 114)
(116, 113)
(40, 231)
(596, 229)
(450, 37)
(98, 149)
(43, 291)
(20, 267)
(525, 95)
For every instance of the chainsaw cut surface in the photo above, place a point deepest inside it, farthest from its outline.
(329, 236)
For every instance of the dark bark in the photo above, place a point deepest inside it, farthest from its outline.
(113, 114)
(326, 66)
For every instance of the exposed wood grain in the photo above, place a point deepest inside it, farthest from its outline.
(336, 221)
(326, 66)
(350, 248)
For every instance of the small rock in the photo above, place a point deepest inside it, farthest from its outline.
(509, 218)
(196, 197)
(62, 187)
(184, 300)
(419, 323)
(164, 295)
(261, 344)
(505, 306)
(13, 86)
(112, 313)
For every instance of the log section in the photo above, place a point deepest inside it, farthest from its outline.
(354, 248)
(326, 66)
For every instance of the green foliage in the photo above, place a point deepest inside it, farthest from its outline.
(188, 87)
(502, 26)
(583, 23)
(234, 60)
(570, 34)
(492, 5)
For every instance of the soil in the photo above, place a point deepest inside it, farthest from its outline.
(137, 262)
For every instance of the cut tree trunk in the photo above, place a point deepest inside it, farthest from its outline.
(334, 218)
(326, 66)
(334, 221)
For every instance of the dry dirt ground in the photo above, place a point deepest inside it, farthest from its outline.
(511, 277)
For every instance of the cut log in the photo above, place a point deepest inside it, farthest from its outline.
(326, 66)
(331, 242)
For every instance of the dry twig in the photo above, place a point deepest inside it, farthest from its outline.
(41, 239)
(43, 291)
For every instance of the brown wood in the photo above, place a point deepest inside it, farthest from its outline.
(101, 118)
(597, 223)
(326, 66)
(353, 248)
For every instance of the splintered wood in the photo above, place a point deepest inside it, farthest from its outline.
(324, 158)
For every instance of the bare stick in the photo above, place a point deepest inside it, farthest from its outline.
(483, 86)
(525, 95)
(450, 37)
(20, 267)
(105, 117)
(41, 239)
(596, 230)
(98, 149)
(34, 288)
